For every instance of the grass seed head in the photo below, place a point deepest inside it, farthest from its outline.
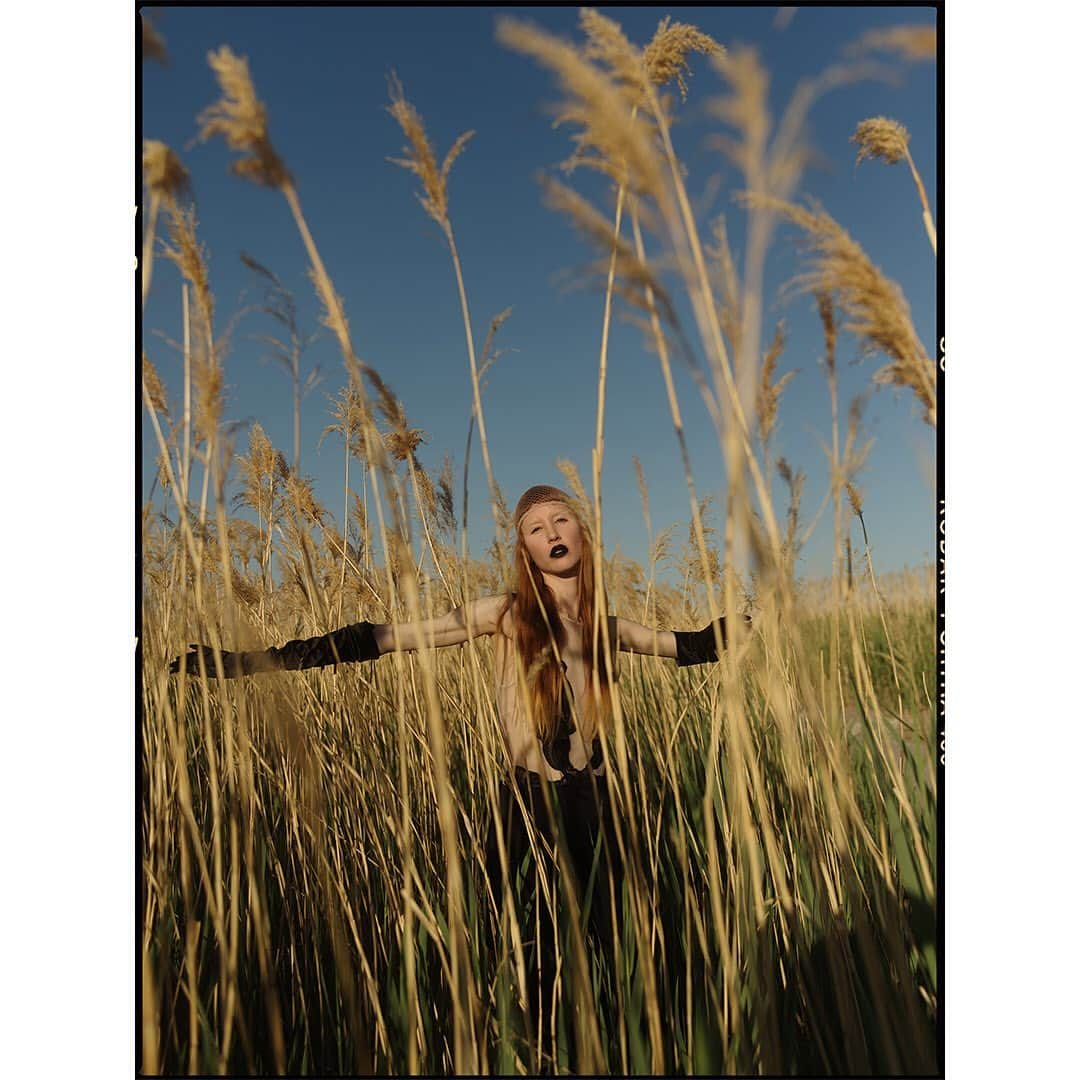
(606, 42)
(597, 104)
(208, 379)
(427, 490)
(579, 502)
(163, 171)
(190, 257)
(661, 61)
(245, 592)
(402, 445)
(881, 138)
(643, 489)
(445, 514)
(420, 154)
(827, 313)
(665, 57)
(351, 415)
(911, 42)
(401, 441)
(730, 304)
(155, 389)
(877, 312)
(257, 470)
(795, 481)
(745, 108)
(768, 397)
(163, 472)
(594, 226)
(153, 44)
(241, 119)
(301, 492)
(854, 498)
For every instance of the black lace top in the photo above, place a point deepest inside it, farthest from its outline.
(557, 748)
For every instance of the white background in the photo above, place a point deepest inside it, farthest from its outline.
(67, 75)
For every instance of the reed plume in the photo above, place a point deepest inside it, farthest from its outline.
(402, 441)
(315, 894)
(772, 156)
(420, 159)
(784, 14)
(607, 138)
(153, 44)
(280, 304)
(168, 182)
(633, 277)
(190, 256)
(767, 403)
(795, 481)
(420, 154)
(155, 389)
(242, 120)
(910, 42)
(206, 375)
(882, 138)
(665, 57)
(877, 312)
(769, 392)
(163, 171)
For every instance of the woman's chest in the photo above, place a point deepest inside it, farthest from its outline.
(573, 661)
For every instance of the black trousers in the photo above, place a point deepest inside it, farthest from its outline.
(575, 850)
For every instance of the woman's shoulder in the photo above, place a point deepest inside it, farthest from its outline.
(491, 614)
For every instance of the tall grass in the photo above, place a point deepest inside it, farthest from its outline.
(315, 896)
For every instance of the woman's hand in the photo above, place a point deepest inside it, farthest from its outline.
(231, 663)
(343, 646)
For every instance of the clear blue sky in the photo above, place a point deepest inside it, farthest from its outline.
(323, 74)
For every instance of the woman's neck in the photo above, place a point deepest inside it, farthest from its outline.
(565, 591)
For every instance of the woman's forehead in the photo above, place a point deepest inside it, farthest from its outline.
(543, 510)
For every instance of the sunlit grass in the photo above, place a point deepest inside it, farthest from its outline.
(314, 892)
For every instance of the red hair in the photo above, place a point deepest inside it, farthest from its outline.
(536, 622)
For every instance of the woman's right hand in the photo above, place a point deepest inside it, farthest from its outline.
(231, 663)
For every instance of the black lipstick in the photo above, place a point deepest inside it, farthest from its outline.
(558, 551)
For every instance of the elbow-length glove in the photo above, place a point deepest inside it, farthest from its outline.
(699, 646)
(350, 643)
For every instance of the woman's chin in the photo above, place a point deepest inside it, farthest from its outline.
(564, 567)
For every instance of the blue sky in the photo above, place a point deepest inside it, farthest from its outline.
(323, 74)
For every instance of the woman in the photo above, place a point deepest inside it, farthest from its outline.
(552, 697)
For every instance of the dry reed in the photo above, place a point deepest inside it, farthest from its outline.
(888, 140)
(878, 314)
(912, 43)
(315, 887)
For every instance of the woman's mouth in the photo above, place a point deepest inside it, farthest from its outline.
(558, 551)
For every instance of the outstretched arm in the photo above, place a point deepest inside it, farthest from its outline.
(359, 641)
(474, 619)
(685, 647)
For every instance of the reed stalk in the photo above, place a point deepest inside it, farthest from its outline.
(314, 843)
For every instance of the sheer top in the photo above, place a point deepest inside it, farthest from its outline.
(565, 754)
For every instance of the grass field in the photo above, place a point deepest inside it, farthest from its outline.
(313, 894)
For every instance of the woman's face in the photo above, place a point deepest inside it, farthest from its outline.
(552, 537)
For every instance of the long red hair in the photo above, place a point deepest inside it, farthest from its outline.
(536, 622)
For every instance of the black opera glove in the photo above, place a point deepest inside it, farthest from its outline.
(699, 646)
(349, 644)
